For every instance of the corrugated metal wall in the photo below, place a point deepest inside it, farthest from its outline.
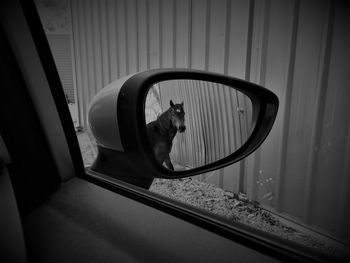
(60, 45)
(298, 49)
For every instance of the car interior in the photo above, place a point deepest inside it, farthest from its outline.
(54, 210)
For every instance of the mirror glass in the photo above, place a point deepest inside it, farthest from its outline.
(191, 123)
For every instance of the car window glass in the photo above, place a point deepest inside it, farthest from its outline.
(296, 184)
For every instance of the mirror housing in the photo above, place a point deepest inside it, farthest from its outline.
(117, 121)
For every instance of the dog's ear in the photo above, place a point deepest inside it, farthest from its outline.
(171, 103)
(182, 104)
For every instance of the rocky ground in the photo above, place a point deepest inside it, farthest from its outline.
(235, 207)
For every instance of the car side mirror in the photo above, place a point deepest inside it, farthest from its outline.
(175, 123)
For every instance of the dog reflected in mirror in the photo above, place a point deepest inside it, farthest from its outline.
(162, 131)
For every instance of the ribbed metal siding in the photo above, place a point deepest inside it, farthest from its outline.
(116, 38)
(60, 46)
(298, 49)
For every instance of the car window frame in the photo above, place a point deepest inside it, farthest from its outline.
(260, 241)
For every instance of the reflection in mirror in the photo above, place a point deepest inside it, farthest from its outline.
(191, 123)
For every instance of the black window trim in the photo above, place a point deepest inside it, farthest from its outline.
(40, 40)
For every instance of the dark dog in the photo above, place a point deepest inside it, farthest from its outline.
(162, 131)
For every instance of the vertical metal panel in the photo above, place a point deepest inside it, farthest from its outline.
(123, 62)
(77, 34)
(97, 51)
(217, 30)
(305, 90)
(154, 33)
(331, 149)
(167, 17)
(182, 28)
(60, 46)
(90, 49)
(143, 34)
(237, 37)
(276, 77)
(113, 51)
(104, 36)
(131, 30)
(259, 20)
(298, 49)
(285, 119)
(321, 107)
(339, 109)
(198, 44)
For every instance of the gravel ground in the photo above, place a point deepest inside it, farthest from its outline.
(235, 207)
(88, 147)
